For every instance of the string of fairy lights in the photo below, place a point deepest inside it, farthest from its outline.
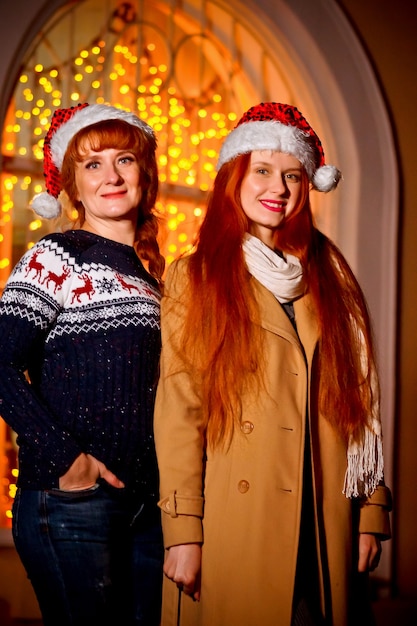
(189, 135)
(190, 131)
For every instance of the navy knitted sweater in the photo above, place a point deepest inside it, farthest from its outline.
(80, 318)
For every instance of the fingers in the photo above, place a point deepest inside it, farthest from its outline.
(189, 590)
(84, 472)
(369, 552)
(373, 561)
(190, 585)
(112, 479)
(81, 475)
(106, 474)
(182, 566)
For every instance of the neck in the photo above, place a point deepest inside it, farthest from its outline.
(122, 231)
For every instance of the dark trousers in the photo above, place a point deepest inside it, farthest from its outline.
(90, 558)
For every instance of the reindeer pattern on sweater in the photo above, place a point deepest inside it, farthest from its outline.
(79, 318)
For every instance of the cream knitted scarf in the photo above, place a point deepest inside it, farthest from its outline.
(283, 277)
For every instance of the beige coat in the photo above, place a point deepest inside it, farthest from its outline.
(248, 512)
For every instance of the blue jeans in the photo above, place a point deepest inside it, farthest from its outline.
(90, 558)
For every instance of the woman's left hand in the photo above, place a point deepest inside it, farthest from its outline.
(369, 552)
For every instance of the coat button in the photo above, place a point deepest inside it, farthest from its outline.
(243, 486)
(247, 427)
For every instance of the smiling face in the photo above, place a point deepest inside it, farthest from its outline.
(271, 189)
(108, 185)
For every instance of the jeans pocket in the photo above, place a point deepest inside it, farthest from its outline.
(73, 494)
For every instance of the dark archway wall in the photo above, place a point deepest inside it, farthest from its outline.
(16, 22)
(388, 31)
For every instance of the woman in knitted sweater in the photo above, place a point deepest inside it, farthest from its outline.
(267, 423)
(80, 345)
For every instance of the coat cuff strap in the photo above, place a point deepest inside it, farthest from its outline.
(381, 497)
(175, 505)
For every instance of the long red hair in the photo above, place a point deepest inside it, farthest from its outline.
(226, 345)
(118, 133)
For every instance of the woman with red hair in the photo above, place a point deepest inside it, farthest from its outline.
(80, 315)
(267, 419)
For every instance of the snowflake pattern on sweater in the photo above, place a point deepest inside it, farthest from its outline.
(80, 315)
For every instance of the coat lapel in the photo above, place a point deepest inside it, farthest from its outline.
(307, 325)
(274, 319)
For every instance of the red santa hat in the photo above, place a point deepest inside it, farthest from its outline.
(281, 127)
(64, 125)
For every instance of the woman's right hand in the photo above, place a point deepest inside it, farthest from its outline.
(84, 472)
(183, 565)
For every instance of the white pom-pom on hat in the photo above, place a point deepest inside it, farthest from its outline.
(46, 206)
(326, 178)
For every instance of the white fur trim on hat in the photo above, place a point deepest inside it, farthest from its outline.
(273, 135)
(85, 117)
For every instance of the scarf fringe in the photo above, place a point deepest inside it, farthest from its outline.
(365, 464)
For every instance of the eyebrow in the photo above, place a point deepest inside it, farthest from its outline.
(268, 163)
(92, 154)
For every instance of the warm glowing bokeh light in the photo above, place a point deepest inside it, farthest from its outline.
(131, 67)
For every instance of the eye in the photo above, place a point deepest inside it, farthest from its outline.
(261, 170)
(91, 165)
(292, 177)
(127, 158)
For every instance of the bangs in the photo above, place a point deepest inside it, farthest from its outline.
(120, 136)
(108, 134)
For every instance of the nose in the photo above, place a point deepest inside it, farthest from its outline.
(279, 185)
(112, 175)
